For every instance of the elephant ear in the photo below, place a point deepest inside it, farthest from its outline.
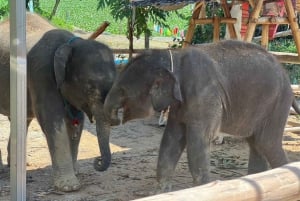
(61, 58)
(165, 90)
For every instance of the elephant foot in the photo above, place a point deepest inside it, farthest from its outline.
(115, 122)
(164, 187)
(66, 183)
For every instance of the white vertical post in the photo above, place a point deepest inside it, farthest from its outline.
(18, 92)
(30, 5)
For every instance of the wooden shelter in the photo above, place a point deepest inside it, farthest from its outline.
(250, 21)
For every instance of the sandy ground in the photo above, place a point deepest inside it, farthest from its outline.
(132, 173)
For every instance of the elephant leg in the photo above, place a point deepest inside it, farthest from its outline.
(52, 119)
(257, 162)
(1, 163)
(198, 150)
(8, 144)
(171, 148)
(266, 147)
(74, 133)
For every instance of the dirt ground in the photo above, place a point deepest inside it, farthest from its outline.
(135, 148)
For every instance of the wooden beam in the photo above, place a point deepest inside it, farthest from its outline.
(285, 57)
(277, 184)
(224, 20)
(269, 20)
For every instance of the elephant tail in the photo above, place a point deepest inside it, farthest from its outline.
(296, 106)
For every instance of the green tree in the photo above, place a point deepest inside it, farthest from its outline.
(137, 19)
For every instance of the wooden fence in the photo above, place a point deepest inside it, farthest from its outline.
(282, 184)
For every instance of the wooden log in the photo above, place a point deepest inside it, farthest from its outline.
(100, 30)
(292, 129)
(284, 57)
(278, 184)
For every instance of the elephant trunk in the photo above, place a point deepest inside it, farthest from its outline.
(111, 111)
(103, 132)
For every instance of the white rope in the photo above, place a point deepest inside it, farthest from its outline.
(172, 64)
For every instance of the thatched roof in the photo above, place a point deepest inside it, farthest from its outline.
(163, 4)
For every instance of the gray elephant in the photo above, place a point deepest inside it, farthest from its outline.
(67, 77)
(232, 87)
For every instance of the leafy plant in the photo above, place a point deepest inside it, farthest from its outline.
(3, 9)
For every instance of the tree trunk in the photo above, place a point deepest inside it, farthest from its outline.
(130, 38)
(54, 9)
(147, 36)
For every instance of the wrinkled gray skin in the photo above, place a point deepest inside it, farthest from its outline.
(66, 72)
(231, 87)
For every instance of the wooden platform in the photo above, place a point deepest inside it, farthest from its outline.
(252, 21)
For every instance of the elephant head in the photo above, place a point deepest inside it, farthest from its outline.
(84, 72)
(145, 84)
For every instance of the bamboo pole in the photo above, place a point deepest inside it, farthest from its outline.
(293, 23)
(216, 24)
(265, 36)
(292, 129)
(278, 184)
(284, 57)
(100, 30)
(253, 20)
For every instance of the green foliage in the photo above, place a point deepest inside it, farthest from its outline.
(204, 33)
(137, 18)
(287, 45)
(3, 9)
(84, 15)
(293, 71)
(283, 45)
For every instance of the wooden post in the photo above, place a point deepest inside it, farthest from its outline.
(191, 29)
(100, 30)
(265, 36)
(216, 24)
(277, 184)
(253, 20)
(293, 23)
